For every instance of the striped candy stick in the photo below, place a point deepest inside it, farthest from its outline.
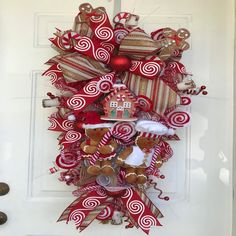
(81, 191)
(157, 152)
(122, 16)
(69, 38)
(122, 139)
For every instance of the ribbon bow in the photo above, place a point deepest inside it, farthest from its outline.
(88, 57)
(87, 207)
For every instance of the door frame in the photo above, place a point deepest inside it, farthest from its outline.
(234, 131)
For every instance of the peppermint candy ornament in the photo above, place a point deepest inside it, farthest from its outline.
(185, 100)
(178, 119)
(124, 130)
(105, 214)
(69, 39)
(67, 159)
(144, 103)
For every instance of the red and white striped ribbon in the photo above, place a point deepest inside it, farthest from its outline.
(78, 192)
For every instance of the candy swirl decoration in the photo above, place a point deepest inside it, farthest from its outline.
(124, 130)
(178, 119)
(67, 159)
(101, 69)
(105, 214)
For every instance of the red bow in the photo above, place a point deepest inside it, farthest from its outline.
(87, 207)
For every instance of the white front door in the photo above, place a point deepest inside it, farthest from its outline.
(199, 176)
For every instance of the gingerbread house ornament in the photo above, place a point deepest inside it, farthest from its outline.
(120, 105)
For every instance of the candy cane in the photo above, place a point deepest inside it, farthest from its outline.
(124, 130)
(103, 142)
(158, 34)
(121, 176)
(121, 130)
(78, 192)
(121, 138)
(121, 16)
(67, 39)
(157, 152)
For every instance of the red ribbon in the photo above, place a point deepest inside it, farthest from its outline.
(137, 209)
(101, 48)
(90, 92)
(80, 211)
(140, 213)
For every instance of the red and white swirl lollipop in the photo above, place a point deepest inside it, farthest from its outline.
(119, 34)
(123, 130)
(67, 160)
(144, 103)
(70, 137)
(104, 85)
(185, 100)
(178, 119)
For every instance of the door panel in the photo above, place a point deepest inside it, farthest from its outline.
(198, 177)
(206, 160)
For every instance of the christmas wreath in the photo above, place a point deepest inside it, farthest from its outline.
(123, 95)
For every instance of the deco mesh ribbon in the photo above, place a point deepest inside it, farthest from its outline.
(123, 96)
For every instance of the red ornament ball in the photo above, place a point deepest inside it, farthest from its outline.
(162, 176)
(120, 63)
